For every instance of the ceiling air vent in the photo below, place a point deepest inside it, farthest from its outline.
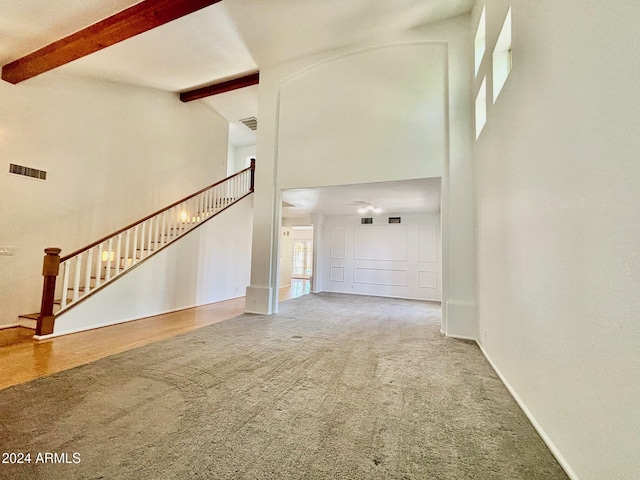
(27, 171)
(395, 219)
(366, 220)
(251, 122)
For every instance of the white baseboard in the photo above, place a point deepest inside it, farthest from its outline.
(124, 320)
(11, 325)
(460, 337)
(545, 438)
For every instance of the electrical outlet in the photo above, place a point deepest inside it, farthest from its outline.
(8, 251)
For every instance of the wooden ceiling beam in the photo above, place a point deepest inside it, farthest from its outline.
(216, 88)
(139, 18)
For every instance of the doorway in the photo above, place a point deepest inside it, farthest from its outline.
(296, 261)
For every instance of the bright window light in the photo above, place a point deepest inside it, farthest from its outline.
(502, 57)
(481, 107)
(481, 41)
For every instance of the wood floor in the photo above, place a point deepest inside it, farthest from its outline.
(28, 359)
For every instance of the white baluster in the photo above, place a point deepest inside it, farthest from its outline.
(171, 218)
(118, 250)
(171, 223)
(149, 236)
(185, 218)
(156, 238)
(143, 233)
(163, 230)
(65, 284)
(99, 266)
(87, 273)
(76, 280)
(207, 202)
(134, 245)
(109, 258)
(126, 249)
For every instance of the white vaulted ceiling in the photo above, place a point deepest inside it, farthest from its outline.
(222, 40)
(225, 40)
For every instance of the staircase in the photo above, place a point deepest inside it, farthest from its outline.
(86, 271)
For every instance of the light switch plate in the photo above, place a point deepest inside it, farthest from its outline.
(8, 251)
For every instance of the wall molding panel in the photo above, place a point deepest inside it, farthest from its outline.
(383, 259)
(381, 243)
(337, 274)
(427, 279)
(337, 242)
(428, 243)
(380, 276)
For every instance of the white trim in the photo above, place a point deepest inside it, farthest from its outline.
(545, 438)
(460, 337)
(11, 325)
(118, 322)
(383, 296)
(258, 313)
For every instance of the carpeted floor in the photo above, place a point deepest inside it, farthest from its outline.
(332, 387)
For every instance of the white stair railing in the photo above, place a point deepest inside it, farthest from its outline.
(92, 267)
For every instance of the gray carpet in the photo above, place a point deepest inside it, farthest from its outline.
(333, 387)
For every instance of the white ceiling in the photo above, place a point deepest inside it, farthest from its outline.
(224, 40)
(406, 196)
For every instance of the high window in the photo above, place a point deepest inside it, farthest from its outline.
(481, 40)
(481, 107)
(502, 58)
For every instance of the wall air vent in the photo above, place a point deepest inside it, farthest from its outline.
(27, 171)
(251, 122)
(394, 219)
(366, 220)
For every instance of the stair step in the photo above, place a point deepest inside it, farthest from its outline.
(30, 316)
(58, 301)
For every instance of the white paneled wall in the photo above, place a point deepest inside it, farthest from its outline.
(394, 260)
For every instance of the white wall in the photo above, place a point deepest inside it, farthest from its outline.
(558, 182)
(112, 153)
(209, 264)
(286, 257)
(409, 95)
(382, 259)
(355, 127)
(239, 158)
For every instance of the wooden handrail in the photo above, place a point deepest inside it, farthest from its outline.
(89, 263)
(111, 235)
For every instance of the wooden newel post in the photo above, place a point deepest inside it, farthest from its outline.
(253, 173)
(50, 269)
